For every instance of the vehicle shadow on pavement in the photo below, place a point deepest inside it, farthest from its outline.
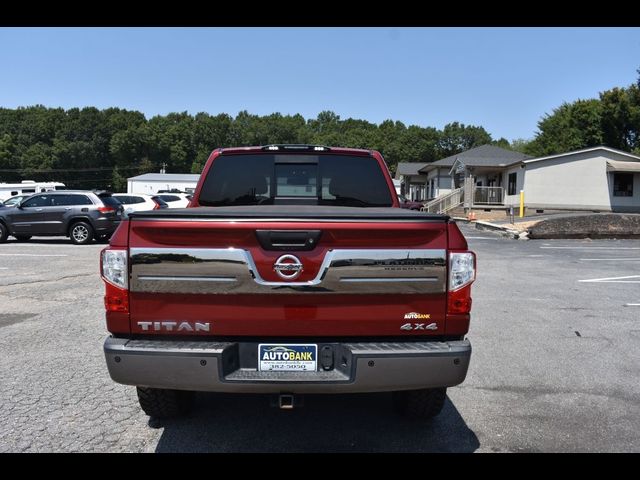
(326, 423)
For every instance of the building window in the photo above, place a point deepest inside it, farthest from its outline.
(513, 177)
(623, 184)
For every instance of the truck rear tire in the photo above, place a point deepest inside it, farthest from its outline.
(4, 233)
(424, 404)
(161, 403)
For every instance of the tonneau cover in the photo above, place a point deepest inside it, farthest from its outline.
(293, 211)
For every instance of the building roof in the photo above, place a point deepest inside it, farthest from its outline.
(584, 150)
(618, 166)
(410, 168)
(167, 177)
(483, 156)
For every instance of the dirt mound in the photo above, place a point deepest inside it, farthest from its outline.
(611, 225)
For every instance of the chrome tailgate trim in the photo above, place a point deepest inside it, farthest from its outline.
(233, 271)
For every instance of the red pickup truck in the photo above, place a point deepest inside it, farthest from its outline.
(292, 271)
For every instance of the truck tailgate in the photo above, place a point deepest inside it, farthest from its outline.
(294, 271)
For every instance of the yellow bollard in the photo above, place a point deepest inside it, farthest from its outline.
(521, 203)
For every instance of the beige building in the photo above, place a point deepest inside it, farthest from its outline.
(596, 179)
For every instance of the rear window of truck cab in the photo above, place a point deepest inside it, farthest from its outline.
(268, 179)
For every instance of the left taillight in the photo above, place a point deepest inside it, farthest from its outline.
(106, 209)
(113, 267)
(114, 272)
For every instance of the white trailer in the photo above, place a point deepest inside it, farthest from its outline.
(8, 190)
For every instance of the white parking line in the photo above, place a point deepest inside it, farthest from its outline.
(597, 248)
(30, 255)
(38, 245)
(609, 259)
(481, 238)
(632, 304)
(613, 279)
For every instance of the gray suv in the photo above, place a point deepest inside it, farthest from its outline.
(79, 215)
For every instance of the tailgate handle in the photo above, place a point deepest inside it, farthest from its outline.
(289, 240)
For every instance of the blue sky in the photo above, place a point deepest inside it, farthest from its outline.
(503, 79)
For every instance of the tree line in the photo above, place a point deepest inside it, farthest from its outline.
(92, 148)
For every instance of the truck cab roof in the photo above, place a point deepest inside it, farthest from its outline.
(295, 148)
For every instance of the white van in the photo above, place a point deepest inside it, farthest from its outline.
(27, 187)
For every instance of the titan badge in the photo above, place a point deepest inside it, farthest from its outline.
(175, 326)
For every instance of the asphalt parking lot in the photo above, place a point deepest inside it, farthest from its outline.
(555, 367)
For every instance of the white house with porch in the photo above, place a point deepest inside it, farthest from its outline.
(412, 182)
(595, 179)
(483, 173)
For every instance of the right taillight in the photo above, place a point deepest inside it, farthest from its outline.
(462, 270)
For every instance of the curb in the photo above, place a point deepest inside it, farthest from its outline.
(504, 231)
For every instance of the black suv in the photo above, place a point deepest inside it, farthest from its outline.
(79, 215)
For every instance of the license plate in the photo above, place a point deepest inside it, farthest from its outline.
(273, 356)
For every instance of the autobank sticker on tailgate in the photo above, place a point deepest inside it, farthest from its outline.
(287, 357)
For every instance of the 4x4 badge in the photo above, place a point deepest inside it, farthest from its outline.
(419, 326)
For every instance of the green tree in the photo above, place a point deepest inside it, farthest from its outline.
(118, 181)
(571, 126)
(170, 141)
(36, 157)
(620, 122)
(8, 159)
(502, 143)
(327, 122)
(458, 137)
(521, 145)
